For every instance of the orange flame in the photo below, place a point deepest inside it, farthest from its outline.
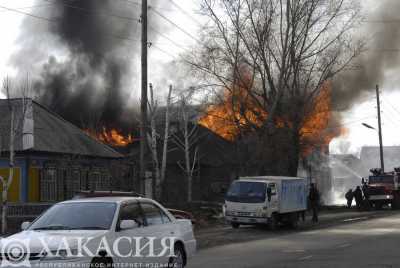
(111, 136)
(316, 129)
(239, 112)
(228, 119)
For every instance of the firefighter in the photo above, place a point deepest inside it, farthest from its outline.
(349, 196)
(358, 197)
(313, 197)
(365, 191)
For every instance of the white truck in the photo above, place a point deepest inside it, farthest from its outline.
(267, 200)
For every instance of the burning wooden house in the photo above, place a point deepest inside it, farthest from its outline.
(53, 158)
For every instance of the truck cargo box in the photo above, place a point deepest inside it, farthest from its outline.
(293, 195)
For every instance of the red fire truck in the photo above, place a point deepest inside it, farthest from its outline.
(383, 188)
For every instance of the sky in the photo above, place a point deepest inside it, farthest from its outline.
(160, 55)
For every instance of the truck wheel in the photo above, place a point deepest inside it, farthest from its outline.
(396, 202)
(273, 222)
(235, 225)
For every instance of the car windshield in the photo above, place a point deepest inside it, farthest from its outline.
(381, 179)
(77, 216)
(246, 192)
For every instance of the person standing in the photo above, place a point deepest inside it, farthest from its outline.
(358, 197)
(313, 197)
(349, 196)
(365, 191)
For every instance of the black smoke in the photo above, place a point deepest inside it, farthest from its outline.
(84, 62)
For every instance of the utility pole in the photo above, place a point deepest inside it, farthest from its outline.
(380, 129)
(143, 103)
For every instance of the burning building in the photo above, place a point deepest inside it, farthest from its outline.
(54, 158)
(239, 115)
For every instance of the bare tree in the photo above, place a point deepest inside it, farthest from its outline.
(16, 128)
(278, 54)
(187, 141)
(165, 142)
(153, 138)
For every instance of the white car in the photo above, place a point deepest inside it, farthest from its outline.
(124, 231)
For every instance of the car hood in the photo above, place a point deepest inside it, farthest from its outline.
(36, 241)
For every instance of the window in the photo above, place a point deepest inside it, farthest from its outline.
(48, 185)
(154, 215)
(131, 211)
(165, 218)
(272, 186)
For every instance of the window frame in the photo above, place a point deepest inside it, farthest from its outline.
(121, 207)
(161, 210)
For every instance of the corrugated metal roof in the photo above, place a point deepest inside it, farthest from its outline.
(51, 133)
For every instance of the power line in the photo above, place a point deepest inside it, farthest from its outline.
(28, 14)
(391, 105)
(99, 13)
(52, 20)
(153, 44)
(167, 38)
(190, 16)
(163, 51)
(174, 24)
(30, 7)
(388, 118)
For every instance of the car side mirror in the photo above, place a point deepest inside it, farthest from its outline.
(25, 225)
(269, 194)
(128, 224)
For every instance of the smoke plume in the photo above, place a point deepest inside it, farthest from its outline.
(83, 63)
(379, 63)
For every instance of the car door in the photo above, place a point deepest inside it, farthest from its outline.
(124, 239)
(158, 223)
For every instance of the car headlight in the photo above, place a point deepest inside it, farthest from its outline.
(61, 255)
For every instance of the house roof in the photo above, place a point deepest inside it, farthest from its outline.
(45, 131)
(213, 150)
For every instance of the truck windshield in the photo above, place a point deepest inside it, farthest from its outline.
(246, 192)
(381, 179)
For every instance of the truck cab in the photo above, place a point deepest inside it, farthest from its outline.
(265, 200)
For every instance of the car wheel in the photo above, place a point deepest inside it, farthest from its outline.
(179, 260)
(235, 225)
(101, 262)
